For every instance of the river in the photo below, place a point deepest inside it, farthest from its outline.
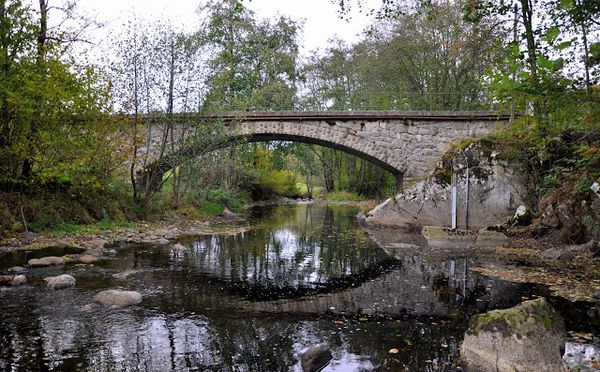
(254, 298)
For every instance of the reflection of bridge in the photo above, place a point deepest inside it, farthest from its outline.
(404, 143)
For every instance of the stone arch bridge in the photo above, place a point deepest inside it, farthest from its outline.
(407, 144)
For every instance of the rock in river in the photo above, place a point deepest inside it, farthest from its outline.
(95, 244)
(178, 247)
(87, 259)
(527, 337)
(115, 297)
(46, 261)
(17, 270)
(19, 280)
(315, 358)
(60, 281)
(6, 279)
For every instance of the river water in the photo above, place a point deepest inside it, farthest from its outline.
(254, 298)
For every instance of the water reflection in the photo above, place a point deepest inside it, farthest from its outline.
(293, 247)
(303, 276)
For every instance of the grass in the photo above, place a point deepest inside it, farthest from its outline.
(103, 225)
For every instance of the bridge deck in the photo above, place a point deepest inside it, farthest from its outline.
(350, 116)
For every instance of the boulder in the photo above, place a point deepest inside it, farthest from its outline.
(527, 337)
(17, 269)
(87, 259)
(46, 261)
(19, 280)
(115, 297)
(60, 281)
(6, 279)
(228, 214)
(563, 254)
(589, 249)
(315, 358)
(493, 200)
(95, 244)
(445, 237)
(178, 247)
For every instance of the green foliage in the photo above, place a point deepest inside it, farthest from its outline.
(342, 196)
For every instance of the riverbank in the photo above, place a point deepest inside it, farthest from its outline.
(153, 232)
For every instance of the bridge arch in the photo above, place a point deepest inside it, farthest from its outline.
(403, 143)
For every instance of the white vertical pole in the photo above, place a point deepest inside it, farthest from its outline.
(453, 201)
(467, 200)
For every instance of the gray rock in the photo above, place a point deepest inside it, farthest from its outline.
(60, 281)
(428, 202)
(228, 214)
(125, 274)
(527, 337)
(549, 217)
(178, 247)
(87, 259)
(19, 280)
(6, 279)
(46, 261)
(17, 269)
(31, 235)
(315, 358)
(95, 244)
(589, 249)
(115, 297)
(557, 254)
(99, 252)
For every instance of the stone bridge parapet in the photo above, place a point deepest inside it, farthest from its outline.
(408, 144)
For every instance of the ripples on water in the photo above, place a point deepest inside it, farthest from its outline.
(304, 275)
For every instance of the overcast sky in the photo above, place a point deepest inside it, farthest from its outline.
(320, 16)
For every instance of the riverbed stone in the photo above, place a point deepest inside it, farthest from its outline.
(116, 297)
(315, 358)
(95, 244)
(125, 274)
(563, 254)
(527, 337)
(60, 281)
(178, 247)
(589, 249)
(87, 259)
(17, 270)
(46, 261)
(19, 280)
(6, 279)
(445, 237)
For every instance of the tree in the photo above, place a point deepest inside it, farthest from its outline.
(252, 64)
(50, 105)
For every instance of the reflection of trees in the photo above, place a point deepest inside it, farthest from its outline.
(296, 246)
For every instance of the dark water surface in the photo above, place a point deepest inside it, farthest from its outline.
(302, 275)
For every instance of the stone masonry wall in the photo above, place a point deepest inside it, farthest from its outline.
(409, 147)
